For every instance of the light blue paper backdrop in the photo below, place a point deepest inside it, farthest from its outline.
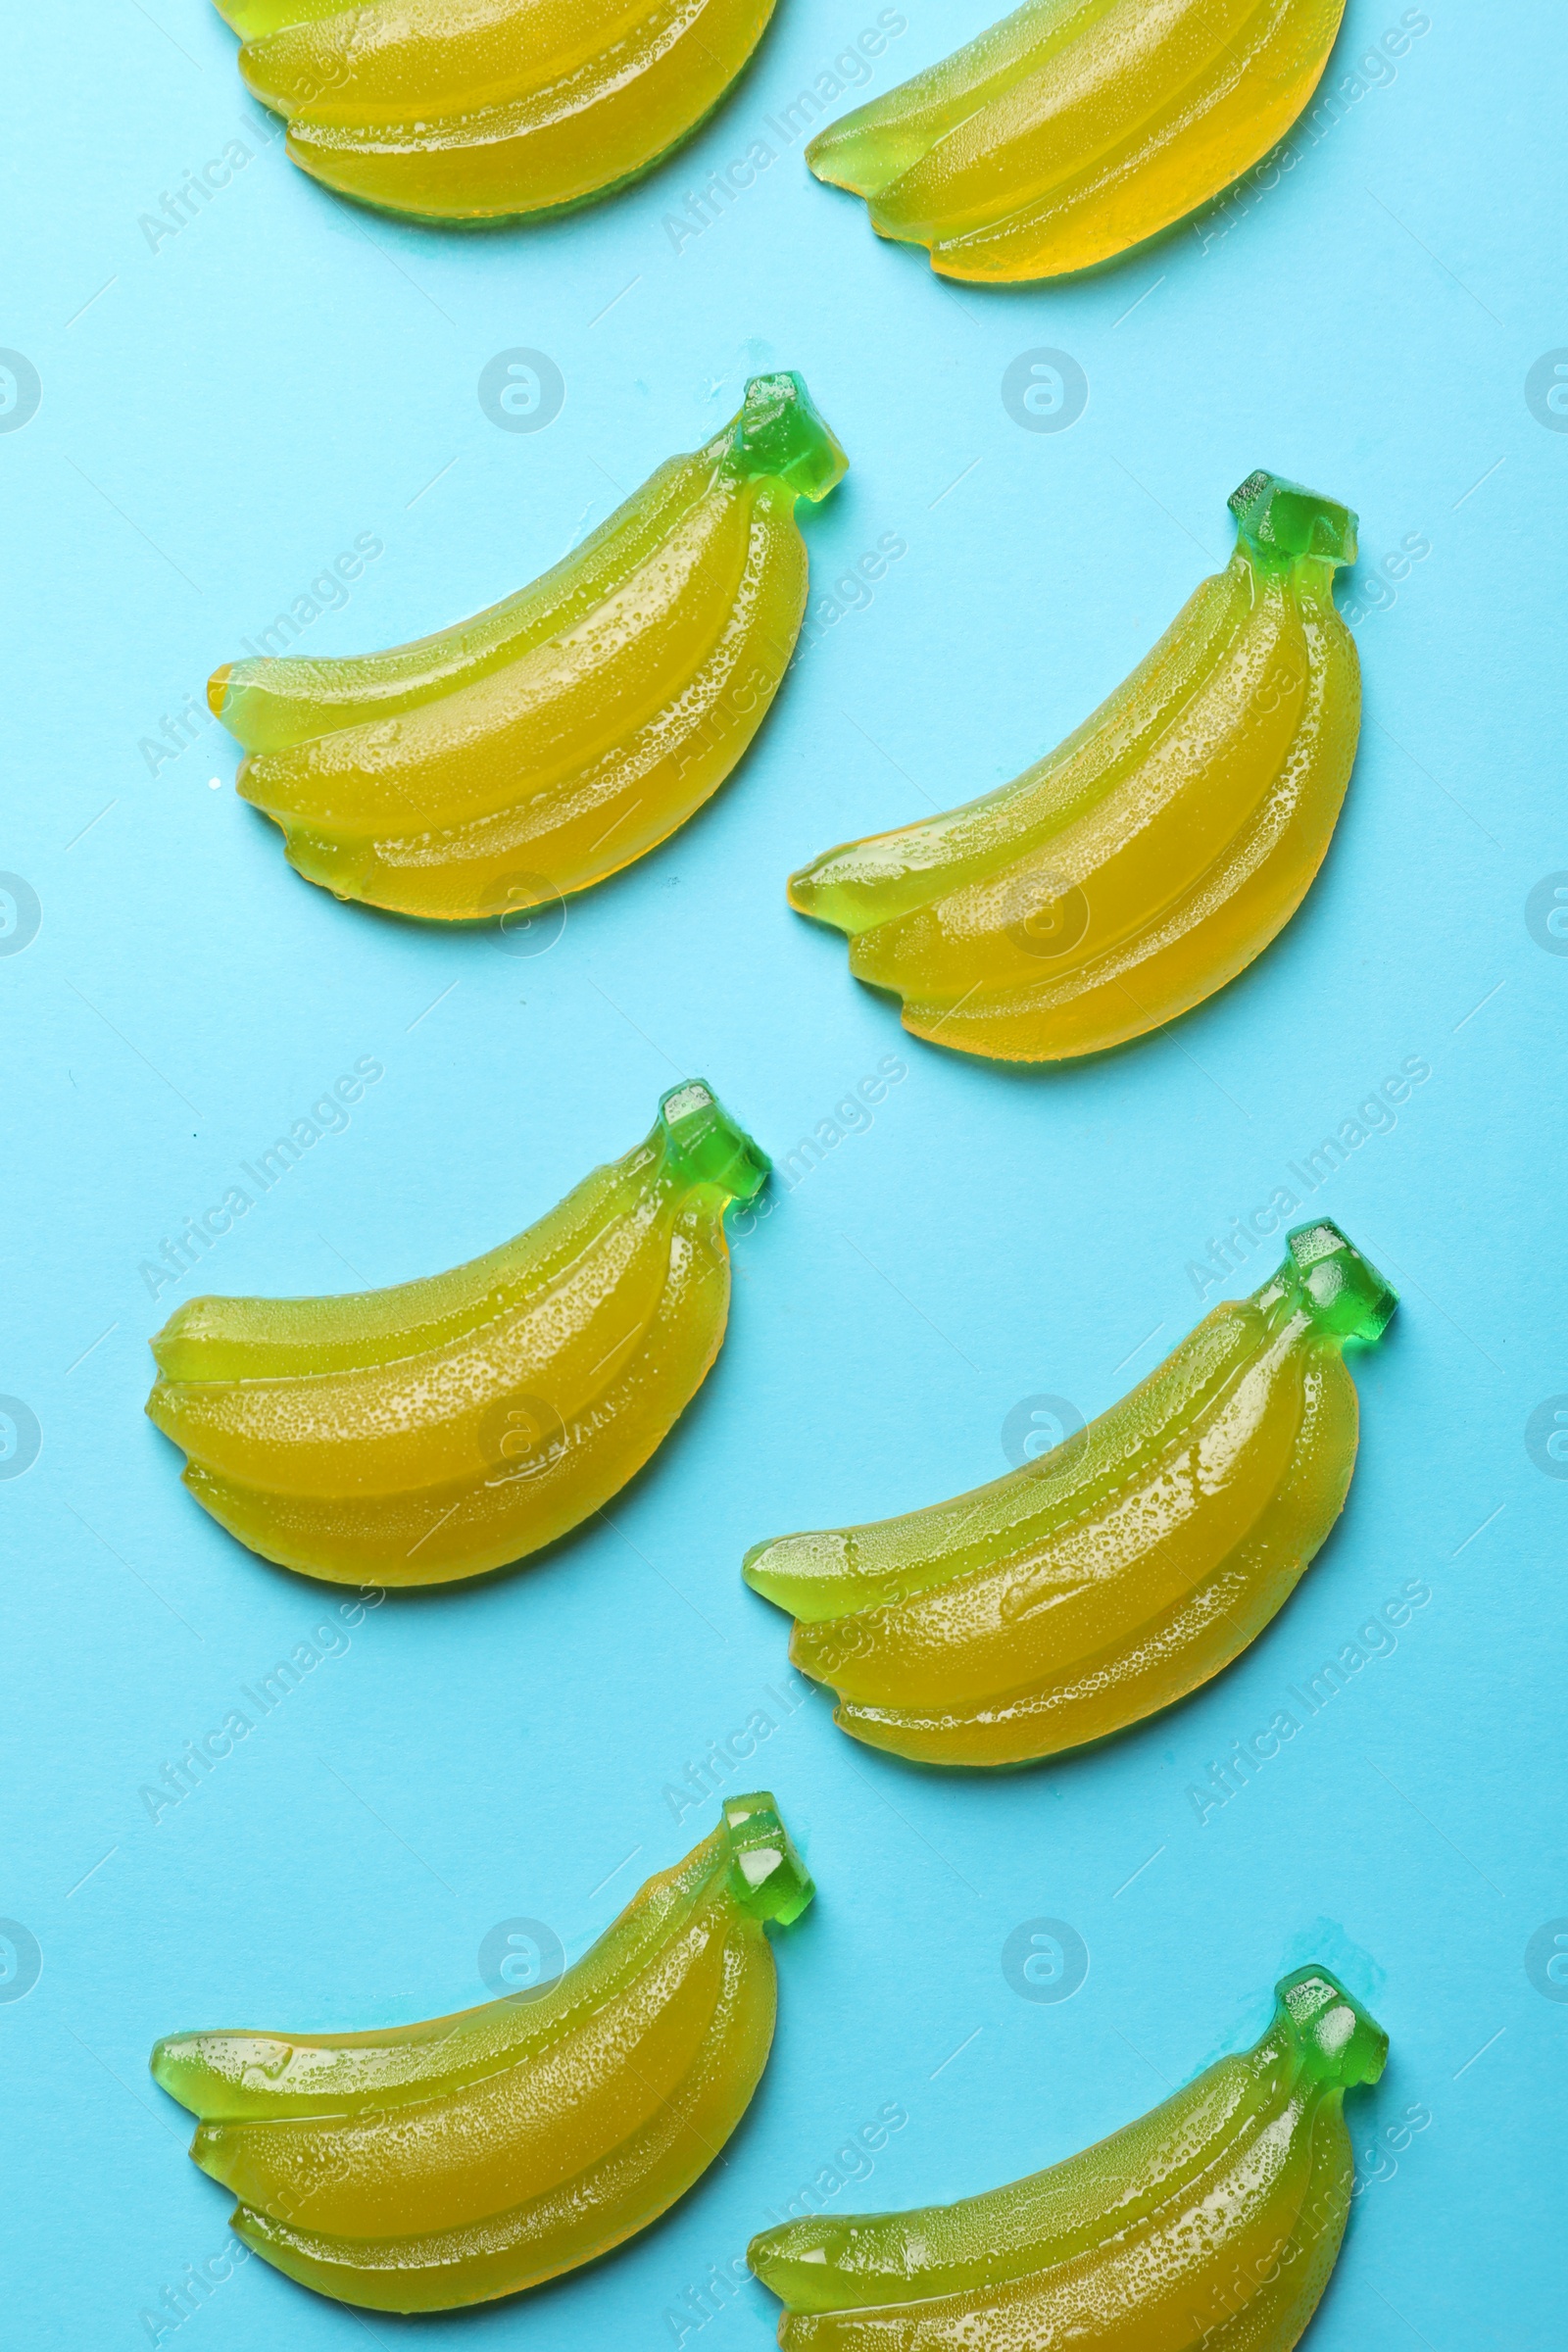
(221, 413)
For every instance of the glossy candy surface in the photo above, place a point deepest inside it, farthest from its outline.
(1154, 853)
(1076, 129)
(503, 763)
(479, 110)
(1212, 2222)
(1106, 1579)
(452, 1425)
(424, 2167)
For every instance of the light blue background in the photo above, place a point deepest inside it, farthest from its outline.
(220, 417)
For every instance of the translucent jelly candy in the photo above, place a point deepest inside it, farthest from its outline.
(507, 761)
(420, 2168)
(449, 1426)
(475, 109)
(1156, 852)
(1106, 1579)
(1075, 128)
(1214, 2220)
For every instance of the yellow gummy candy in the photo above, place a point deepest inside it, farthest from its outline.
(1156, 852)
(477, 110)
(1075, 128)
(427, 2167)
(1210, 2225)
(1106, 1579)
(526, 753)
(450, 1426)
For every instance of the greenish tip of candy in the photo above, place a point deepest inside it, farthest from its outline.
(766, 1876)
(174, 2063)
(1339, 2041)
(1280, 518)
(1342, 1291)
(810, 1576)
(800, 2263)
(780, 431)
(755, 1569)
(706, 1146)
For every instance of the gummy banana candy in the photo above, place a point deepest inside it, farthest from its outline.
(1075, 128)
(552, 739)
(1213, 2222)
(1159, 849)
(420, 2168)
(479, 110)
(1108, 1578)
(450, 1426)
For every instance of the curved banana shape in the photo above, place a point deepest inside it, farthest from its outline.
(425, 2167)
(1076, 129)
(526, 753)
(1159, 849)
(1213, 2222)
(1107, 1578)
(483, 110)
(451, 1426)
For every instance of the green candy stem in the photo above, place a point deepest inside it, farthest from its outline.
(779, 432)
(1280, 522)
(1340, 2044)
(766, 1876)
(1326, 1277)
(706, 1146)
(1157, 2177)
